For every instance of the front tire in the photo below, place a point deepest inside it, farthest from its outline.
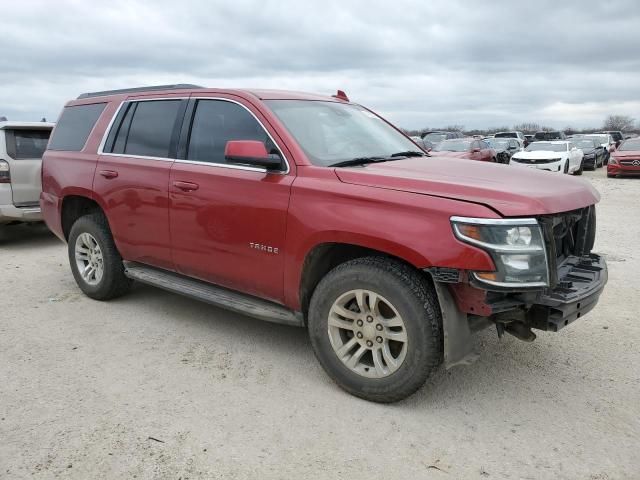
(95, 262)
(376, 328)
(581, 169)
(566, 167)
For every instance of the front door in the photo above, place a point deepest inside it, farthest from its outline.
(228, 221)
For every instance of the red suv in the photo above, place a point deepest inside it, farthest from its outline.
(314, 211)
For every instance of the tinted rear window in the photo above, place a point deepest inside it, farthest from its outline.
(74, 126)
(151, 128)
(506, 135)
(23, 144)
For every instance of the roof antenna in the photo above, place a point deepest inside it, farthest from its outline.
(341, 96)
(43, 119)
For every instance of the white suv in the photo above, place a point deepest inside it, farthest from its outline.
(21, 147)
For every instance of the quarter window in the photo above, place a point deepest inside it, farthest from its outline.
(215, 122)
(74, 126)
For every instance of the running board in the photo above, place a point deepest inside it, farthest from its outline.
(213, 294)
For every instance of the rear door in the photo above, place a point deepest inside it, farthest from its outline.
(132, 177)
(25, 147)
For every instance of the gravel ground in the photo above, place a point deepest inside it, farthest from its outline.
(154, 385)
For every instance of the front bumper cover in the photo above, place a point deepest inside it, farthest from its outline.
(580, 283)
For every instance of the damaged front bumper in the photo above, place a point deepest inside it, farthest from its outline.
(580, 281)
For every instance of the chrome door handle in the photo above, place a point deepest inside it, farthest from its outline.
(186, 186)
(108, 174)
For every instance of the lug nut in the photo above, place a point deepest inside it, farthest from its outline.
(359, 323)
(359, 334)
(369, 343)
(369, 318)
(379, 339)
(379, 327)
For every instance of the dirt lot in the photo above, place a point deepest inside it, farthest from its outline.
(158, 386)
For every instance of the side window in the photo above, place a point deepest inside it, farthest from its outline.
(215, 122)
(147, 128)
(26, 144)
(74, 126)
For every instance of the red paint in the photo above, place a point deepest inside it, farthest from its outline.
(245, 149)
(483, 154)
(251, 231)
(615, 167)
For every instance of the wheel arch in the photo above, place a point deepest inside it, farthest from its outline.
(324, 257)
(74, 207)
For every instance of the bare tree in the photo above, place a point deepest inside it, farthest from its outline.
(618, 122)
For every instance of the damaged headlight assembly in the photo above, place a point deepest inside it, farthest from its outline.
(516, 247)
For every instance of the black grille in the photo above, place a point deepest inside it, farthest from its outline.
(566, 235)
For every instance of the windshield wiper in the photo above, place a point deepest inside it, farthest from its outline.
(359, 161)
(408, 153)
(364, 160)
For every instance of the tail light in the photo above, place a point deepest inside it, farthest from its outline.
(5, 174)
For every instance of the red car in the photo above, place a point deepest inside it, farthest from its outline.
(471, 148)
(625, 160)
(314, 211)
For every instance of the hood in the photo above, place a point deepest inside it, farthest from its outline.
(511, 191)
(451, 154)
(539, 154)
(626, 153)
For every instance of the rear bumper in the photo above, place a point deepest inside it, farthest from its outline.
(11, 213)
(581, 280)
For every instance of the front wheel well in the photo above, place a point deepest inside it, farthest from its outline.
(74, 207)
(324, 258)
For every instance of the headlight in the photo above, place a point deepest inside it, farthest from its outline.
(515, 245)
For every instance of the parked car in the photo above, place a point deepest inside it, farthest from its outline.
(504, 147)
(548, 136)
(514, 134)
(528, 139)
(617, 136)
(556, 156)
(471, 148)
(423, 144)
(437, 137)
(625, 160)
(21, 147)
(594, 152)
(605, 140)
(313, 211)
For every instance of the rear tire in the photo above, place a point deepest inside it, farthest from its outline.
(392, 355)
(566, 167)
(95, 262)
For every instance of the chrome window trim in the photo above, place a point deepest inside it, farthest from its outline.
(195, 162)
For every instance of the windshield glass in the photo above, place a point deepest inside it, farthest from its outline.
(506, 135)
(332, 132)
(630, 145)
(453, 146)
(589, 144)
(497, 143)
(546, 146)
(435, 137)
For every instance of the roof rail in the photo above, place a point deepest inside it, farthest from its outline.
(177, 86)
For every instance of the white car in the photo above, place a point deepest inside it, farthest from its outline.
(21, 147)
(555, 156)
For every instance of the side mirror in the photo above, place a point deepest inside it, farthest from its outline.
(475, 150)
(251, 152)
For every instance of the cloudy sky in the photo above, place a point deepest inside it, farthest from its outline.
(420, 63)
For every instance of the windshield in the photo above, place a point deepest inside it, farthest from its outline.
(453, 146)
(497, 143)
(332, 132)
(546, 146)
(507, 135)
(630, 145)
(435, 137)
(584, 143)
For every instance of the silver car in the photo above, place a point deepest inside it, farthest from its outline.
(21, 147)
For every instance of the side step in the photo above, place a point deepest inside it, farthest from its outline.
(213, 294)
